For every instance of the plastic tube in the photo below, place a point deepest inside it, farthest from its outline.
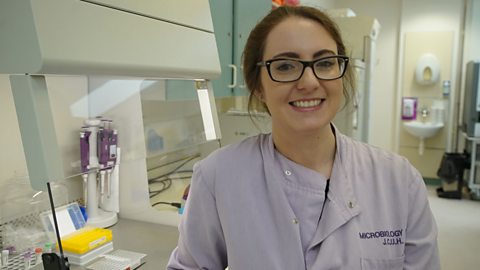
(102, 184)
(109, 183)
(5, 253)
(38, 255)
(85, 181)
(26, 259)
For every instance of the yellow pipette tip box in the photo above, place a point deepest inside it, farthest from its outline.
(85, 239)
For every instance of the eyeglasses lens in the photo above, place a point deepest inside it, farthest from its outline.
(329, 68)
(285, 70)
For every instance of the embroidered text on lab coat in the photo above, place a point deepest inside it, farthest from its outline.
(388, 237)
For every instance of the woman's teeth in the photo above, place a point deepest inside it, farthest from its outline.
(306, 104)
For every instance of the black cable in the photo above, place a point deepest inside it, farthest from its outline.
(157, 180)
(174, 204)
(166, 180)
(165, 185)
(176, 168)
(172, 162)
(171, 172)
(325, 200)
(55, 223)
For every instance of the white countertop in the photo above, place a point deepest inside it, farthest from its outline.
(155, 240)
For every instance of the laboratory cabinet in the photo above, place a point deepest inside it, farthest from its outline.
(232, 22)
(473, 149)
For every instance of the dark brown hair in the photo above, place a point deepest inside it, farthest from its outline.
(255, 47)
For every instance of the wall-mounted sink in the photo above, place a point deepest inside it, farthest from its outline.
(422, 130)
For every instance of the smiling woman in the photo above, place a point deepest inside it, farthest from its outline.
(304, 196)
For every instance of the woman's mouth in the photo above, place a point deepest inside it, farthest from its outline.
(306, 103)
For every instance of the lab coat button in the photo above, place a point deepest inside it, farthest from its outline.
(350, 204)
(295, 221)
(287, 172)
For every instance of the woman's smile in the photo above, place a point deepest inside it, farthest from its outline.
(307, 104)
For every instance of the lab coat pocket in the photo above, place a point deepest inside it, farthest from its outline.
(383, 264)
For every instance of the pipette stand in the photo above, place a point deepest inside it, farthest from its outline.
(96, 216)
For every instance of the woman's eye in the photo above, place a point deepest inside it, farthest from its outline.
(324, 64)
(284, 66)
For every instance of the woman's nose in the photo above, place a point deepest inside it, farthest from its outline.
(308, 79)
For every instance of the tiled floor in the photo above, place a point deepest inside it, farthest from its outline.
(459, 231)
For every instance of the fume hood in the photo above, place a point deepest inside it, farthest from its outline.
(101, 43)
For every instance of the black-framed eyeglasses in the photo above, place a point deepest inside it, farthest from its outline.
(290, 70)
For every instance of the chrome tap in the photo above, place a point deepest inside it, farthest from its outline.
(424, 112)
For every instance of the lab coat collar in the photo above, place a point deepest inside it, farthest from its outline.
(341, 187)
(341, 207)
(342, 204)
(288, 229)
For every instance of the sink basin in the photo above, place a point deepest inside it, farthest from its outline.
(422, 130)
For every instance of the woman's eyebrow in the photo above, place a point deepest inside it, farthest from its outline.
(324, 52)
(287, 54)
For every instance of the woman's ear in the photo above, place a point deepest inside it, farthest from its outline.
(259, 95)
(260, 101)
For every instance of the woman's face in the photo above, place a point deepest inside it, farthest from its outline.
(308, 104)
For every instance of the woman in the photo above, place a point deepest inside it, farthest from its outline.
(304, 196)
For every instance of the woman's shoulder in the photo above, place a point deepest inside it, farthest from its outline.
(368, 154)
(362, 148)
(379, 167)
(237, 154)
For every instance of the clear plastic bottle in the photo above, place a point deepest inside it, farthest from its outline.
(446, 88)
(47, 248)
(38, 255)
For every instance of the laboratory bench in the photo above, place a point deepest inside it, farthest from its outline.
(155, 240)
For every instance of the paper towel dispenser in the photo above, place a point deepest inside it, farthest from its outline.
(427, 71)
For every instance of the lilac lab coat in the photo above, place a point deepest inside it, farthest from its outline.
(239, 213)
